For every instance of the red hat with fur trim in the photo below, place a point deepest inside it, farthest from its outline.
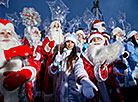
(95, 22)
(7, 25)
(98, 25)
(96, 34)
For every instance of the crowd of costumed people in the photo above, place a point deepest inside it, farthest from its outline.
(66, 66)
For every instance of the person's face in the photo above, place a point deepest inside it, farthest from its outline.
(96, 40)
(5, 34)
(119, 34)
(35, 32)
(70, 44)
(56, 26)
(80, 36)
(136, 36)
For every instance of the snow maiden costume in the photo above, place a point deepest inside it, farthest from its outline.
(67, 88)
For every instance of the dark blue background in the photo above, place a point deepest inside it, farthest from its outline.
(109, 8)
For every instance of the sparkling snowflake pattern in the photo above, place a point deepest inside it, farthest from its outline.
(14, 18)
(59, 10)
(5, 3)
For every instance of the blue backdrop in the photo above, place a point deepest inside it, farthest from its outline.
(109, 8)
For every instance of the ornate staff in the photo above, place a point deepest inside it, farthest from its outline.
(30, 18)
(98, 13)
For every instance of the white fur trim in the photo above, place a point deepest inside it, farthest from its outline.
(96, 35)
(116, 30)
(2, 58)
(97, 24)
(38, 56)
(8, 26)
(47, 48)
(72, 38)
(97, 73)
(135, 73)
(32, 69)
(50, 37)
(50, 70)
(130, 34)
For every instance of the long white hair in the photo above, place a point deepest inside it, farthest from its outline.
(57, 36)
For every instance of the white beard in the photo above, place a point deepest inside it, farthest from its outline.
(7, 45)
(119, 38)
(98, 54)
(57, 36)
(93, 51)
(36, 39)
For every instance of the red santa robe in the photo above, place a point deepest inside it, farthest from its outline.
(10, 81)
(37, 59)
(105, 75)
(49, 44)
(11, 60)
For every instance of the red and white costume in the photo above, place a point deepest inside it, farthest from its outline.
(14, 72)
(97, 60)
(99, 26)
(32, 38)
(55, 37)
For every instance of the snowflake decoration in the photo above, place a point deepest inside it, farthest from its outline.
(88, 18)
(121, 17)
(59, 11)
(122, 20)
(14, 18)
(74, 23)
(5, 3)
(111, 23)
(30, 17)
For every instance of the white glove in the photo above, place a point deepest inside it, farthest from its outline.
(87, 87)
(60, 57)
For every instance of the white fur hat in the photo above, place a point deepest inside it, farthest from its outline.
(71, 37)
(116, 30)
(80, 32)
(96, 34)
(131, 33)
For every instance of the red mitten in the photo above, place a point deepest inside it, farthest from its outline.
(51, 44)
(22, 50)
(28, 90)
(15, 79)
(46, 40)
